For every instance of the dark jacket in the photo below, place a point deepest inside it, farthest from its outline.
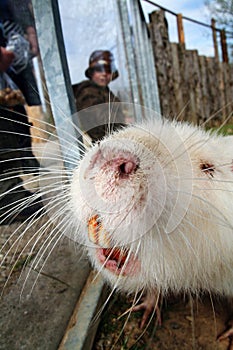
(17, 22)
(96, 116)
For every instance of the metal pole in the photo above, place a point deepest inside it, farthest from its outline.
(123, 14)
(56, 72)
(144, 58)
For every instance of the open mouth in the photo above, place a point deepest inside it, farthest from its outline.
(118, 261)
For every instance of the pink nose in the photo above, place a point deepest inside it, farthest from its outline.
(127, 167)
(123, 164)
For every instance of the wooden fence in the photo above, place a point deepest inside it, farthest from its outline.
(191, 87)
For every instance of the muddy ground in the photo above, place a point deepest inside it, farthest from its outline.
(185, 325)
(36, 305)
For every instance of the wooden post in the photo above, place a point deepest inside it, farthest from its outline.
(224, 46)
(162, 55)
(180, 28)
(214, 35)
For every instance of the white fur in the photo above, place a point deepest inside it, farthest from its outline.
(174, 217)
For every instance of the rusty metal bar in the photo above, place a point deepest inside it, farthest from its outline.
(180, 28)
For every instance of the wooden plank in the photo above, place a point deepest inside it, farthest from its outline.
(177, 82)
(205, 89)
(215, 95)
(214, 36)
(162, 55)
(227, 89)
(192, 81)
(224, 46)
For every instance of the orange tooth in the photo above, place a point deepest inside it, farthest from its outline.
(93, 230)
(96, 233)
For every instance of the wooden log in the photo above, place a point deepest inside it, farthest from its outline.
(227, 72)
(179, 104)
(224, 46)
(216, 99)
(162, 55)
(204, 90)
(230, 77)
(192, 82)
(214, 36)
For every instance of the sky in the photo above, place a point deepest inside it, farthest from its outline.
(196, 37)
(81, 35)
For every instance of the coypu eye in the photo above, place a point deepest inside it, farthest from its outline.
(207, 168)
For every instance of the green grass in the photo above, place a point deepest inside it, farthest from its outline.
(224, 130)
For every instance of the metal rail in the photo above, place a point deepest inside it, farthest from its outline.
(53, 56)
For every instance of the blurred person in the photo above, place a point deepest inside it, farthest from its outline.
(12, 114)
(95, 91)
(17, 21)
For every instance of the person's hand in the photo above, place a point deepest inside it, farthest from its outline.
(6, 58)
(32, 38)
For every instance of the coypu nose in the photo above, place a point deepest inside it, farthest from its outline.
(127, 167)
(124, 163)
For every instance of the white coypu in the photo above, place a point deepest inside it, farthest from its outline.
(153, 204)
(130, 184)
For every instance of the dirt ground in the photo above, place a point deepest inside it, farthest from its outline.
(185, 325)
(36, 305)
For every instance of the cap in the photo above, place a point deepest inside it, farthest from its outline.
(102, 61)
